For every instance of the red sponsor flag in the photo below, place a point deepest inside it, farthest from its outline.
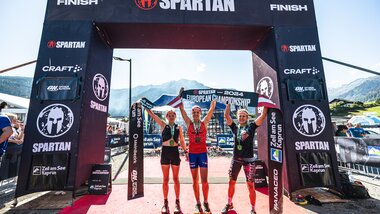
(265, 102)
(176, 102)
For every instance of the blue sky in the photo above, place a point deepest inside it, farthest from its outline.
(349, 31)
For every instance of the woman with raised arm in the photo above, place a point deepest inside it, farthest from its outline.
(244, 133)
(172, 137)
(197, 132)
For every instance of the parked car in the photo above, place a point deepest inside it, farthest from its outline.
(371, 134)
(365, 120)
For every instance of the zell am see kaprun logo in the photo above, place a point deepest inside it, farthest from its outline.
(309, 120)
(55, 120)
(66, 44)
(189, 5)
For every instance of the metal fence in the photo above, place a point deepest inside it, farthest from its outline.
(361, 169)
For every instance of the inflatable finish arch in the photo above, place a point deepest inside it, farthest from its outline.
(69, 100)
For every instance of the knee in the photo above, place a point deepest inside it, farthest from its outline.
(175, 180)
(250, 185)
(232, 182)
(205, 182)
(166, 180)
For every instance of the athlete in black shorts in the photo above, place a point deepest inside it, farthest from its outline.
(244, 134)
(172, 137)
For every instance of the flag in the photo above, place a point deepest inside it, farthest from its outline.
(265, 102)
(176, 102)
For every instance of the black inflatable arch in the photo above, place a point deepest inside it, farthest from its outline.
(69, 100)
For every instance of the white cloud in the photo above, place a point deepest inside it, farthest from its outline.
(201, 68)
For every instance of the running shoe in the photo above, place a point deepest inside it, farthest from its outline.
(177, 208)
(198, 209)
(165, 208)
(253, 212)
(207, 208)
(227, 208)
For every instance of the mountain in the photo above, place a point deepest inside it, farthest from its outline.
(119, 98)
(16, 86)
(364, 90)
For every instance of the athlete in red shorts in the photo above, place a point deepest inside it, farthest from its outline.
(197, 132)
(171, 138)
(243, 153)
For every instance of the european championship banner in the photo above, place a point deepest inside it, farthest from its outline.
(225, 96)
(275, 160)
(136, 153)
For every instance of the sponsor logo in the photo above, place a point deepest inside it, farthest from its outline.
(61, 68)
(188, 5)
(314, 168)
(66, 44)
(312, 145)
(288, 7)
(55, 120)
(276, 137)
(37, 170)
(51, 147)
(301, 89)
(146, 4)
(295, 71)
(53, 88)
(298, 48)
(276, 155)
(276, 204)
(304, 168)
(77, 2)
(134, 182)
(48, 170)
(309, 120)
(100, 87)
(265, 87)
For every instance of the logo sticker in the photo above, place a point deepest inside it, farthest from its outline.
(309, 120)
(55, 120)
(305, 168)
(265, 87)
(146, 4)
(276, 155)
(100, 87)
(37, 170)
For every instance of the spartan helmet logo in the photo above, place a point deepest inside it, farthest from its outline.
(309, 120)
(265, 87)
(100, 87)
(55, 120)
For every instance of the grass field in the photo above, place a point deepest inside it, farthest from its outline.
(375, 110)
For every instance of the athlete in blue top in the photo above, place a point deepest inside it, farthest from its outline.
(5, 132)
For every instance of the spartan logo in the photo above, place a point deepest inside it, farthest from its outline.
(146, 4)
(309, 120)
(55, 120)
(265, 87)
(100, 87)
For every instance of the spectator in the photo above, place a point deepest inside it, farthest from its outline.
(357, 131)
(342, 131)
(5, 133)
(3, 105)
(15, 141)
